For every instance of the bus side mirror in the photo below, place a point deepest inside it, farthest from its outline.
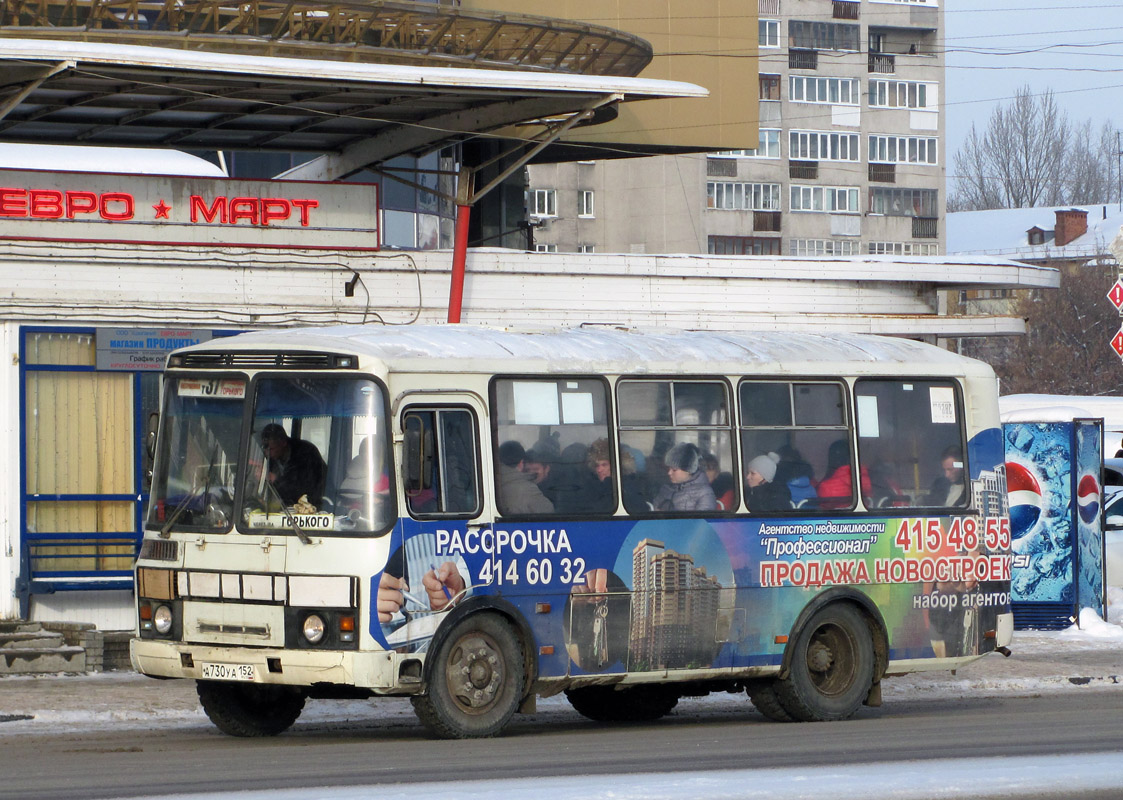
(150, 434)
(418, 455)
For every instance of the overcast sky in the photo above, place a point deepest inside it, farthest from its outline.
(996, 46)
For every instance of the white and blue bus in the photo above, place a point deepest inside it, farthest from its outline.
(475, 518)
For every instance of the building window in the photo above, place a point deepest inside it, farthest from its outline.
(744, 246)
(823, 146)
(845, 9)
(823, 247)
(722, 165)
(769, 32)
(902, 94)
(834, 91)
(824, 35)
(902, 149)
(766, 221)
(904, 202)
(903, 249)
(585, 203)
(803, 59)
(769, 87)
(769, 147)
(825, 199)
(730, 196)
(586, 248)
(766, 8)
(545, 203)
(545, 248)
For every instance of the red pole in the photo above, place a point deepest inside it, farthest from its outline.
(459, 256)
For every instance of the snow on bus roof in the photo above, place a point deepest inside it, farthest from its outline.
(598, 349)
(116, 160)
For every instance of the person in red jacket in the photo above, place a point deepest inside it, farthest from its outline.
(837, 489)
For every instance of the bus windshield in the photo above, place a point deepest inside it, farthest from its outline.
(317, 456)
(193, 488)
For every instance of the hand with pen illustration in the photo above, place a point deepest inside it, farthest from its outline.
(443, 584)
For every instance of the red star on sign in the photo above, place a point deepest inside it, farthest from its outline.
(162, 210)
(1117, 343)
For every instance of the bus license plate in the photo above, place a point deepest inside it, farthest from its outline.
(229, 672)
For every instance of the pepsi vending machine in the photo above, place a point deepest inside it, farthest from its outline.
(1053, 474)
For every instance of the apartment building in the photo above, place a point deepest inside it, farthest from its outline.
(849, 161)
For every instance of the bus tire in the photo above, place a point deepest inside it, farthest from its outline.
(250, 710)
(763, 696)
(638, 704)
(831, 668)
(476, 682)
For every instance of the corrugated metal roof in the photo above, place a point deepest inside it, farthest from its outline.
(96, 93)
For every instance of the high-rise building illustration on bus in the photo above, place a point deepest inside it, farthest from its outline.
(674, 609)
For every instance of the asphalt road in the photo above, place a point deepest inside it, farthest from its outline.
(707, 734)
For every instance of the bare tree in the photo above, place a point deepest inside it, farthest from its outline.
(1031, 155)
(1067, 346)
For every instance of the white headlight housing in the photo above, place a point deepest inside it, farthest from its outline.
(313, 628)
(162, 620)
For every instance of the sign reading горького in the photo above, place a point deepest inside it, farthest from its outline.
(160, 209)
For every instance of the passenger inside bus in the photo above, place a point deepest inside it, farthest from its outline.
(763, 493)
(296, 467)
(947, 489)
(798, 475)
(539, 465)
(837, 489)
(722, 483)
(518, 493)
(688, 489)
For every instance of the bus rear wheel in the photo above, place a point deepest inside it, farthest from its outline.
(477, 680)
(832, 666)
(762, 693)
(638, 704)
(250, 710)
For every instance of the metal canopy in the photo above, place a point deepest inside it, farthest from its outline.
(60, 92)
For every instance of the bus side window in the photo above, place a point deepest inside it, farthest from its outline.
(910, 443)
(684, 424)
(802, 427)
(441, 464)
(552, 447)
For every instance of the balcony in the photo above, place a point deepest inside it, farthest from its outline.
(845, 9)
(803, 170)
(766, 221)
(925, 228)
(721, 168)
(883, 173)
(803, 59)
(882, 63)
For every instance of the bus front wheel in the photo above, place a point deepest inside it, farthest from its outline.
(250, 709)
(832, 666)
(476, 682)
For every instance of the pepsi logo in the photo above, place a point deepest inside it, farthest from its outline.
(1026, 503)
(1088, 498)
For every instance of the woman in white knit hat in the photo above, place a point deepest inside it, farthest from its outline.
(762, 492)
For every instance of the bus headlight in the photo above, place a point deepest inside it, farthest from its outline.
(162, 620)
(313, 628)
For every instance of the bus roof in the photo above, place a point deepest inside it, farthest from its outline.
(469, 348)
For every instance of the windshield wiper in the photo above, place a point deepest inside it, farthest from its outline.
(300, 534)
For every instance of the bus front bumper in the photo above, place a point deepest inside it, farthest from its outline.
(381, 672)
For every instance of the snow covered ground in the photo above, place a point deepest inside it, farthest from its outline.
(1066, 661)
